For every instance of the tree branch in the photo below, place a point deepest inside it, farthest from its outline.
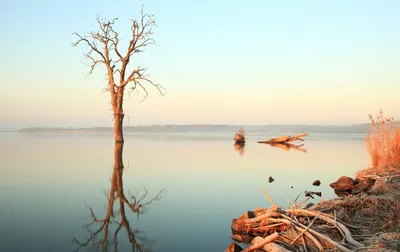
(104, 44)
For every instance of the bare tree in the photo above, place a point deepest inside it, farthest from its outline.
(104, 49)
(99, 229)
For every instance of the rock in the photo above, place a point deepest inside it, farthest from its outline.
(344, 183)
(246, 239)
(237, 225)
(362, 186)
(233, 247)
(316, 183)
(342, 193)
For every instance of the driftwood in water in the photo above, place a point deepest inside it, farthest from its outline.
(240, 137)
(284, 139)
(283, 142)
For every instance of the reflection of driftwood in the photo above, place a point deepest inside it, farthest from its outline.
(239, 147)
(136, 205)
(288, 146)
(284, 139)
(283, 142)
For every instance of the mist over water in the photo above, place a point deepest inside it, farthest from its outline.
(47, 182)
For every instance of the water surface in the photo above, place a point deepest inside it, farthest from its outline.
(47, 182)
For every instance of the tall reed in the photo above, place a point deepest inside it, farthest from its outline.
(383, 143)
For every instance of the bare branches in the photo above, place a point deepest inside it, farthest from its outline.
(142, 32)
(105, 44)
(91, 44)
(137, 206)
(141, 37)
(140, 78)
(103, 225)
(139, 82)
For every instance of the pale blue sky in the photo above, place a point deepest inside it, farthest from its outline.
(233, 62)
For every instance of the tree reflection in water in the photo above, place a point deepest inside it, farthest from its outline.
(99, 229)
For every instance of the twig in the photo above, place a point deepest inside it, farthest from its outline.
(329, 220)
(304, 243)
(312, 222)
(341, 232)
(295, 200)
(269, 198)
(329, 240)
(262, 217)
(303, 202)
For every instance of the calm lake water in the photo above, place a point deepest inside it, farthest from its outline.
(47, 182)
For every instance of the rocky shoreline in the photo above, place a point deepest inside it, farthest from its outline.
(365, 217)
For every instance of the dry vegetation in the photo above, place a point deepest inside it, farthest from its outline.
(368, 220)
(383, 145)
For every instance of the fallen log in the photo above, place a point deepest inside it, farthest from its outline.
(284, 139)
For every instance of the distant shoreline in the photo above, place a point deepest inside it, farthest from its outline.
(360, 128)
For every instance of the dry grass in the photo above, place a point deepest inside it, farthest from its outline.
(377, 213)
(383, 144)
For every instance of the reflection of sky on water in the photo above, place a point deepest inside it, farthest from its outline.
(46, 181)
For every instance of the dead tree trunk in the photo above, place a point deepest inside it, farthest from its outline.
(117, 101)
(118, 133)
(104, 49)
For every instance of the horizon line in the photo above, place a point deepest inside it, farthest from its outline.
(193, 124)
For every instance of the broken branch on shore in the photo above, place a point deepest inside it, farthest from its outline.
(318, 231)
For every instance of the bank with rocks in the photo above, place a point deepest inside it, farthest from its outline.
(365, 217)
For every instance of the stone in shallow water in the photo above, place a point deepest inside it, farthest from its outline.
(271, 179)
(316, 183)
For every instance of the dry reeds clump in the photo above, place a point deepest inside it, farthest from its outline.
(377, 213)
(383, 144)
